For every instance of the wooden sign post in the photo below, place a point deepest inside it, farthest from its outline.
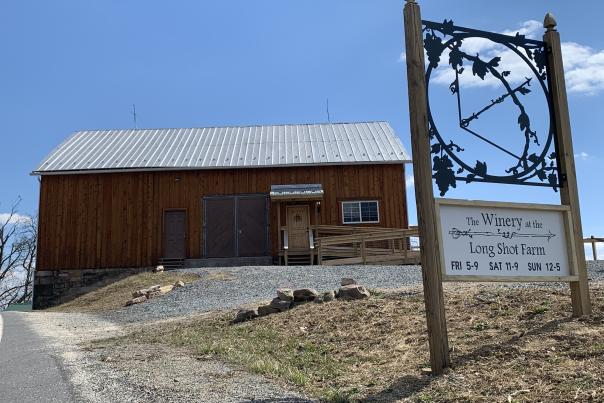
(569, 194)
(551, 234)
(424, 195)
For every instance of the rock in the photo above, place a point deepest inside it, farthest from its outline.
(297, 303)
(280, 304)
(154, 288)
(153, 294)
(318, 300)
(285, 294)
(353, 291)
(245, 314)
(158, 269)
(329, 296)
(267, 310)
(179, 284)
(305, 294)
(166, 289)
(347, 281)
(140, 293)
(136, 300)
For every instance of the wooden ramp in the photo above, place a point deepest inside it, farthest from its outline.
(341, 245)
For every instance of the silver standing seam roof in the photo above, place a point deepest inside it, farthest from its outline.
(225, 148)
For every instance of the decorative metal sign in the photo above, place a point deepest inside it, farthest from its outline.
(497, 241)
(530, 156)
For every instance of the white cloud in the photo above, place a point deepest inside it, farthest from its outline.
(410, 181)
(16, 218)
(583, 66)
(582, 156)
(402, 58)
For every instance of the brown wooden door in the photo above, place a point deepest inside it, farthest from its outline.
(252, 226)
(297, 227)
(220, 227)
(175, 234)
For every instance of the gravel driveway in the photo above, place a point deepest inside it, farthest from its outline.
(250, 284)
(245, 285)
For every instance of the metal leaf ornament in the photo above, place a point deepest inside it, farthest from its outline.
(444, 175)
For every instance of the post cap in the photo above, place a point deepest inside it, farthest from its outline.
(549, 22)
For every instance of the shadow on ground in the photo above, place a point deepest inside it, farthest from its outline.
(409, 385)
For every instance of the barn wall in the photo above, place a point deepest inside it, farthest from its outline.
(115, 219)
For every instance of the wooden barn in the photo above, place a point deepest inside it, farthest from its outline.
(120, 201)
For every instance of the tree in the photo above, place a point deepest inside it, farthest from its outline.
(18, 247)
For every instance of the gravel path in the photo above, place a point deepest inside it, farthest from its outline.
(109, 372)
(228, 288)
(246, 285)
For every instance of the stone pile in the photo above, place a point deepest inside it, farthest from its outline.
(288, 299)
(139, 296)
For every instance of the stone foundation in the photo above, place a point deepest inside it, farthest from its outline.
(54, 287)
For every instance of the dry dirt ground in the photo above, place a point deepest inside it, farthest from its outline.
(113, 296)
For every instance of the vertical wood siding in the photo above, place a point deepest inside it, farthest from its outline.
(115, 219)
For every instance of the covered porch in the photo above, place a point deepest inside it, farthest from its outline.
(298, 208)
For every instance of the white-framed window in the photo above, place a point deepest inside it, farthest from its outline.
(360, 212)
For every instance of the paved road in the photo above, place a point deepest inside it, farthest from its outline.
(28, 371)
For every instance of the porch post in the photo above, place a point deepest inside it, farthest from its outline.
(279, 231)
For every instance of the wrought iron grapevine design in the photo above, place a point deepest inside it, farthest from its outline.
(536, 169)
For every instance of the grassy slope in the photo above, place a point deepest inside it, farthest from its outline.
(115, 295)
(508, 345)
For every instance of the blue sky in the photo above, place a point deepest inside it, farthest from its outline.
(70, 65)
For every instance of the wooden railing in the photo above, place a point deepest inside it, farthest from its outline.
(593, 241)
(363, 245)
(335, 230)
(285, 248)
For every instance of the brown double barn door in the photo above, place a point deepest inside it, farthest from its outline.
(235, 226)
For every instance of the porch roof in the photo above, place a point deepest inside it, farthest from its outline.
(297, 192)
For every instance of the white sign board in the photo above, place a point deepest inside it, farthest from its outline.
(492, 241)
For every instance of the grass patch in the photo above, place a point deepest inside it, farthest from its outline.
(540, 310)
(115, 295)
(506, 346)
(265, 350)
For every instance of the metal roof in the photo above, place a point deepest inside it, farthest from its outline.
(226, 148)
(303, 191)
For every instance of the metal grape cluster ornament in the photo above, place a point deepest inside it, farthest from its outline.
(514, 70)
